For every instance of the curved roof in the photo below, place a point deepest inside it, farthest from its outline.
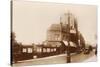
(57, 27)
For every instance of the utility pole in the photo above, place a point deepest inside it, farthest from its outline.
(68, 40)
(61, 34)
(61, 29)
(77, 36)
(68, 47)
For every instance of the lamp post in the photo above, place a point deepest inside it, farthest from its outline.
(61, 34)
(68, 40)
(68, 47)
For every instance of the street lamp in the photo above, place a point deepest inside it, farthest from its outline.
(68, 40)
(68, 47)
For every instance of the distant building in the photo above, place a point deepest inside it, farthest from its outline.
(54, 34)
(66, 29)
(27, 48)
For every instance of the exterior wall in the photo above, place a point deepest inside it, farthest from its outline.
(27, 50)
(53, 36)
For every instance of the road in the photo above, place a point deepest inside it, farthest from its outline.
(58, 59)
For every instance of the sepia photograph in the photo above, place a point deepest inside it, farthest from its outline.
(45, 33)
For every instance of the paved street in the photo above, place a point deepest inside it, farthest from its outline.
(58, 59)
(84, 58)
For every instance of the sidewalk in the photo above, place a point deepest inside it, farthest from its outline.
(91, 59)
(58, 59)
(44, 58)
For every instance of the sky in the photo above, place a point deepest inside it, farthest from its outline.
(32, 19)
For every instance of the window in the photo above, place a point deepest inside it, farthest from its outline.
(56, 36)
(24, 49)
(54, 49)
(29, 50)
(39, 50)
(51, 50)
(48, 49)
(44, 50)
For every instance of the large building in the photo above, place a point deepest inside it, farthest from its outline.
(66, 30)
(56, 34)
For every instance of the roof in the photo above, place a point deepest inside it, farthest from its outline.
(28, 46)
(57, 27)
